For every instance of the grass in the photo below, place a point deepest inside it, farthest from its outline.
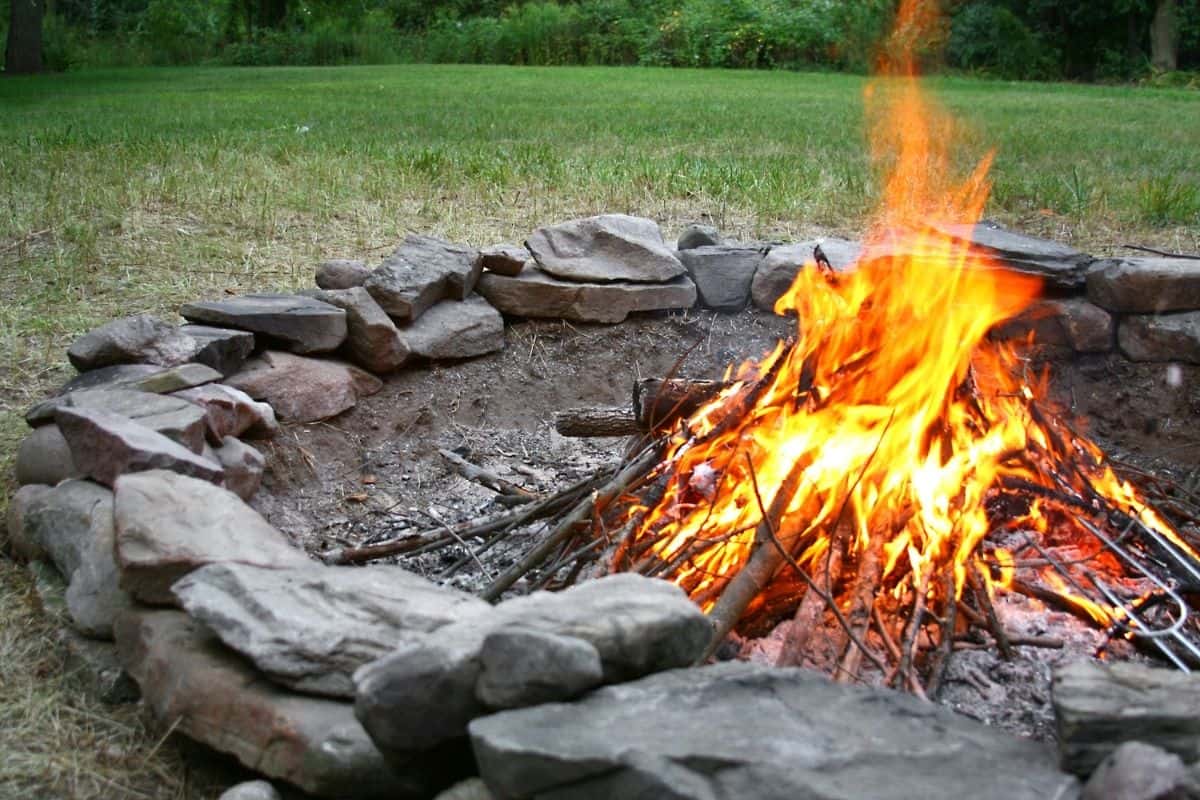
(131, 191)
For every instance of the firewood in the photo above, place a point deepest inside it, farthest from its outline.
(657, 404)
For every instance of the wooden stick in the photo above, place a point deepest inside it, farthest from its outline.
(946, 645)
(489, 480)
(584, 422)
(984, 600)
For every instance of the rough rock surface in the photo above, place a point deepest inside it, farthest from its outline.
(95, 668)
(231, 412)
(243, 466)
(1145, 285)
(223, 349)
(454, 329)
(421, 272)
(1071, 324)
(105, 445)
(372, 340)
(722, 274)
(425, 691)
(1138, 771)
(302, 324)
(143, 378)
(45, 457)
(304, 389)
(1161, 337)
(533, 293)
(341, 273)
(19, 504)
(140, 339)
(310, 627)
(250, 790)
(746, 731)
(504, 259)
(698, 235)
(779, 267)
(1059, 266)
(174, 417)
(200, 689)
(168, 525)
(521, 667)
(605, 248)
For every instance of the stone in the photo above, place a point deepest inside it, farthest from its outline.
(196, 687)
(72, 526)
(139, 339)
(243, 466)
(698, 235)
(740, 730)
(19, 503)
(425, 692)
(470, 789)
(304, 389)
(533, 293)
(523, 667)
(1161, 337)
(95, 668)
(309, 627)
(105, 445)
(422, 271)
(722, 274)
(455, 329)
(250, 790)
(222, 349)
(372, 341)
(176, 418)
(45, 457)
(341, 273)
(109, 377)
(1145, 285)
(1098, 706)
(169, 524)
(1138, 771)
(504, 259)
(1059, 266)
(1070, 324)
(302, 324)
(779, 267)
(609, 247)
(231, 412)
(172, 379)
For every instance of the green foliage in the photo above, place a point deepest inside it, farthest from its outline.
(1165, 199)
(179, 31)
(992, 39)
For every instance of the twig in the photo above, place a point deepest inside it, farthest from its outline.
(489, 480)
(984, 600)
(453, 534)
(1162, 253)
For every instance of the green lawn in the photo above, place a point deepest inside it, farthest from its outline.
(130, 191)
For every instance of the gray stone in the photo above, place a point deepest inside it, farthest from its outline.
(143, 378)
(1138, 771)
(1165, 337)
(504, 259)
(168, 525)
(470, 789)
(250, 790)
(45, 457)
(454, 329)
(609, 247)
(779, 267)
(341, 273)
(176, 418)
(140, 339)
(1059, 266)
(309, 627)
(118, 375)
(302, 324)
(533, 293)
(95, 668)
(722, 274)
(739, 730)
(19, 504)
(304, 389)
(372, 340)
(222, 349)
(425, 691)
(698, 235)
(1071, 324)
(231, 412)
(521, 667)
(1145, 285)
(421, 272)
(105, 445)
(72, 526)
(243, 466)
(196, 687)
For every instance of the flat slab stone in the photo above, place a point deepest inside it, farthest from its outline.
(341, 273)
(1058, 265)
(302, 324)
(778, 269)
(142, 378)
(222, 349)
(372, 341)
(722, 274)
(453, 329)
(309, 627)
(605, 248)
(533, 293)
(504, 259)
(174, 417)
(168, 525)
(304, 389)
(1072, 324)
(139, 339)
(757, 733)
(1161, 337)
(105, 445)
(231, 412)
(422, 271)
(195, 686)
(1145, 285)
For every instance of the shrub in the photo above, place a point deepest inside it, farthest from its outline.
(992, 39)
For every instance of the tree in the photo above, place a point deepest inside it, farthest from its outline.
(1164, 36)
(23, 55)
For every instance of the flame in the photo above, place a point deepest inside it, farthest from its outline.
(891, 418)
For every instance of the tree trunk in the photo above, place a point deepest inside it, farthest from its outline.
(1164, 36)
(24, 53)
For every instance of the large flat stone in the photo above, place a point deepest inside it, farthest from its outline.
(309, 627)
(304, 389)
(1161, 337)
(738, 730)
(1058, 265)
(1072, 324)
(174, 417)
(722, 274)
(453, 329)
(372, 341)
(168, 525)
(142, 378)
(1145, 285)
(533, 293)
(422, 271)
(302, 324)
(778, 269)
(605, 248)
(195, 686)
(139, 339)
